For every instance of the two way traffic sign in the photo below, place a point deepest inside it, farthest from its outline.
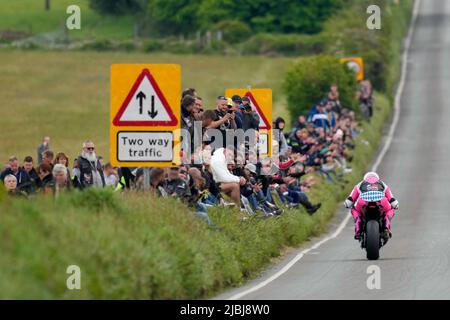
(145, 114)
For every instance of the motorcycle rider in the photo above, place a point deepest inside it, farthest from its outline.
(370, 183)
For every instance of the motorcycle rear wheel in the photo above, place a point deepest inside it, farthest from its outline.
(373, 240)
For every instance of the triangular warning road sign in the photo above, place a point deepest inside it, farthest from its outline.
(263, 123)
(145, 105)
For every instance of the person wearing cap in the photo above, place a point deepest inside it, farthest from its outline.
(237, 101)
(250, 118)
(224, 118)
(318, 116)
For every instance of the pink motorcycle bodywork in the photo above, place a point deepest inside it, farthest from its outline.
(359, 203)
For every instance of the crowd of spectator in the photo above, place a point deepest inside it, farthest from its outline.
(319, 142)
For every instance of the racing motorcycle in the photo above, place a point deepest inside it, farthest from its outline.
(372, 220)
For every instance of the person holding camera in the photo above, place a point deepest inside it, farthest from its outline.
(250, 118)
(224, 117)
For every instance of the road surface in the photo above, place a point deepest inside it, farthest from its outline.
(416, 262)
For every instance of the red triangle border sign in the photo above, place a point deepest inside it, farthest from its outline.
(145, 74)
(260, 112)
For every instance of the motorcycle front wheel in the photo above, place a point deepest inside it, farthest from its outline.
(373, 240)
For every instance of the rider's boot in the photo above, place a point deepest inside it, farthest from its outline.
(386, 233)
(358, 229)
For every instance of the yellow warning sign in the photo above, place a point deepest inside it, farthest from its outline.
(356, 64)
(261, 102)
(145, 115)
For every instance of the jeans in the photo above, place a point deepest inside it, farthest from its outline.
(202, 212)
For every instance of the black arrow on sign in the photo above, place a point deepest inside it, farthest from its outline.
(141, 97)
(152, 113)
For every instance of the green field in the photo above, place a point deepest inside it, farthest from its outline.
(66, 94)
(29, 16)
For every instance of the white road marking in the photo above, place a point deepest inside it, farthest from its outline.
(374, 167)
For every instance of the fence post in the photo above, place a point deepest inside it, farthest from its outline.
(146, 178)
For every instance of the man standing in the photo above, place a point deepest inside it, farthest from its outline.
(237, 101)
(91, 172)
(35, 182)
(224, 118)
(250, 118)
(44, 146)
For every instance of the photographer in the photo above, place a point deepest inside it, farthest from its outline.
(224, 117)
(250, 118)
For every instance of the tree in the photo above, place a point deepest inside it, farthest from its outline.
(174, 16)
(118, 7)
(283, 16)
(309, 81)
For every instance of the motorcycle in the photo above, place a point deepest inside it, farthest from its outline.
(372, 220)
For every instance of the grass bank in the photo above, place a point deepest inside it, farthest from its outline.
(133, 246)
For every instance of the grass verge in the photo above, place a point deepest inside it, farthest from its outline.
(133, 246)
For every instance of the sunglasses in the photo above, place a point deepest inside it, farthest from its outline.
(91, 148)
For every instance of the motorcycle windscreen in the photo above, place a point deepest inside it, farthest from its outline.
(372, 196)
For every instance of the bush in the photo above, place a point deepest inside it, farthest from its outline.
(283, 44)
(98, 45)
(308, 81)
(152, 45)
(96, 199)
(127, 46)
(233, 31)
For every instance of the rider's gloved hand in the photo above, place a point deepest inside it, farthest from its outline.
(394, 203)
(348, 203)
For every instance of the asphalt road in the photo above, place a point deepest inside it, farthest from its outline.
(415, 264)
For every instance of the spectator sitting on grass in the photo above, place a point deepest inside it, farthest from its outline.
(319, 117)
(228, 183)
(157, 182)
(300, 124)
(197, 192)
